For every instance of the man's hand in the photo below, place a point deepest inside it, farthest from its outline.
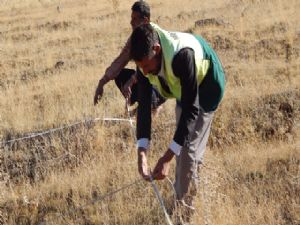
(162, 167)
(126, 90)
(142, 164)
(99, 91)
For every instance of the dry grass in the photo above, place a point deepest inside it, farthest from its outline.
(52, 54)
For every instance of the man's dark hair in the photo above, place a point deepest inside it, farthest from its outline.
(142, 40)
(141, 7)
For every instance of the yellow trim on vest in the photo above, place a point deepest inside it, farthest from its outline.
(172, 43)
(202, 70)
(153, 79)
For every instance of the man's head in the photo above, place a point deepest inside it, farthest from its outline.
(146, 49)
(140, 14)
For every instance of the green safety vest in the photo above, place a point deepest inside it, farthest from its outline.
(171, 44)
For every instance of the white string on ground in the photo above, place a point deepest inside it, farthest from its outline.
(128, 112)
(100, 198)
(161, 201)
(155, 188)
(42, 133)
(130, 120)
(57, 159)
(32, 135)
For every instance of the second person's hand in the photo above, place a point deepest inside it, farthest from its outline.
(99, 91)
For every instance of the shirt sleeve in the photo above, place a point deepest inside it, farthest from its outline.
(143, 143)
(175, 148)
(118, 64)
(184, 68)
(143, 124)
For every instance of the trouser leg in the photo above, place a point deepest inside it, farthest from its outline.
(187, 163)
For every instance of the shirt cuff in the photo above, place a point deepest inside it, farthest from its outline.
(176, 148)
(143, 143)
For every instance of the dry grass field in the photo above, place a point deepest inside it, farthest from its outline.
(52, 53)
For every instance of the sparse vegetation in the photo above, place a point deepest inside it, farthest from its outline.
(52, 54)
